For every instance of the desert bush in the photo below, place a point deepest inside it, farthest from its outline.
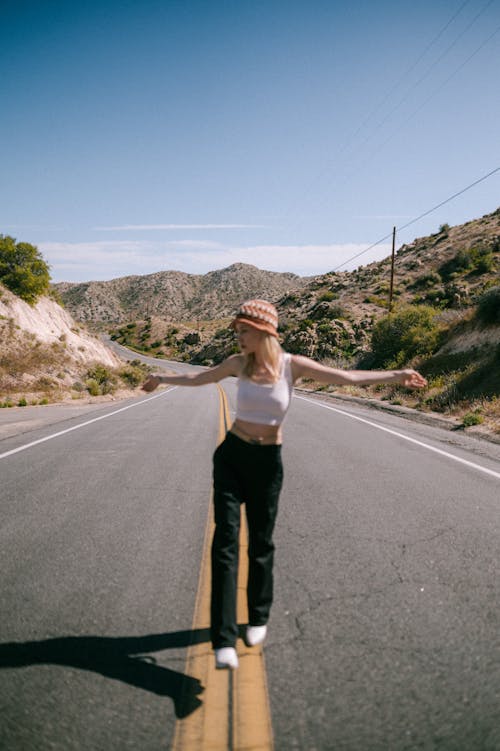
(191, 338)
(426, 281)
(404, 334)
(327, 296)
(104, 378)
(134, 373)
(485, 263)
(488, 307)
(375, 300)
(472, 418)
(92, 387)
(462, 261)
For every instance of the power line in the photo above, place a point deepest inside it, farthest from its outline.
(409, 70)
(421, 216)
(433, 65)
(455, 195)
(377, 149)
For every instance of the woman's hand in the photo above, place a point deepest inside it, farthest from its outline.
(411, 379)
(151, 383)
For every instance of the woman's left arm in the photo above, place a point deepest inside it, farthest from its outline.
(304, 367)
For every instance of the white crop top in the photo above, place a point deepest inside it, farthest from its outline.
(266, 403)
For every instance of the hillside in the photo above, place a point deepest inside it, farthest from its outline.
(172, 295)
(446, 269)
(46, 356)
(445, 321)
(332, 318)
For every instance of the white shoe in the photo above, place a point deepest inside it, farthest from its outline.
(226, 657)
(255, 635)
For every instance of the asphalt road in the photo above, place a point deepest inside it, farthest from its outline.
(385, 632)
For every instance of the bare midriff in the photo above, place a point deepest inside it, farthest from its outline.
(252, 432)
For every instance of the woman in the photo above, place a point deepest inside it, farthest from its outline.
(247, 464)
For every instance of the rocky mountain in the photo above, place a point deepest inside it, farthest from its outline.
(173, 295)
(331, 316)
(446, 302)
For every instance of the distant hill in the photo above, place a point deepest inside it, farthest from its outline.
(173, 295)
(331, 318)
(452, 277)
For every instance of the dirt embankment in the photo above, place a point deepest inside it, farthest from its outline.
(45, 356)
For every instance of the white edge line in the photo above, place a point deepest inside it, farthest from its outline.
(405, 437)
(82, 424)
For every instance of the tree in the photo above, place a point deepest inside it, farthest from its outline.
(23, 269)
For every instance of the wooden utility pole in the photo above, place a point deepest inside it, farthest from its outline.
(391, 289)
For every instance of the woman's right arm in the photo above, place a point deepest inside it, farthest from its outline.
(229, 367)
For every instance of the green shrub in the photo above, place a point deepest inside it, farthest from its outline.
(99, 376)
(338, 312)
(327, 296)
(22, 402)
(426, 281)
(404, 334)
(99, 373)
(92, 387)
(485, 263)
(472, 418)
(133, 375)
(462, 261)
(375, 300)
(488, 307)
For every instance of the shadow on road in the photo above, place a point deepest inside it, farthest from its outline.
(124, 659)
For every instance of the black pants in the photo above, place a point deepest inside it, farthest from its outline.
(253, 475)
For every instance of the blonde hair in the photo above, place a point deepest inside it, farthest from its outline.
(272, 353)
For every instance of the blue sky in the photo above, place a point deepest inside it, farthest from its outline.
(141, 136)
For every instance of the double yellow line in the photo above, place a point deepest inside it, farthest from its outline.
(234, 713)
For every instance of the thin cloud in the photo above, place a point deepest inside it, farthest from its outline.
(150, 227)
(194, 244)
(111, 259)
(382, 216)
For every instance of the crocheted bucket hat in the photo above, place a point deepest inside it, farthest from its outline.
(259, 314)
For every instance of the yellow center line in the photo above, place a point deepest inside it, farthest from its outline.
(207, 728)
